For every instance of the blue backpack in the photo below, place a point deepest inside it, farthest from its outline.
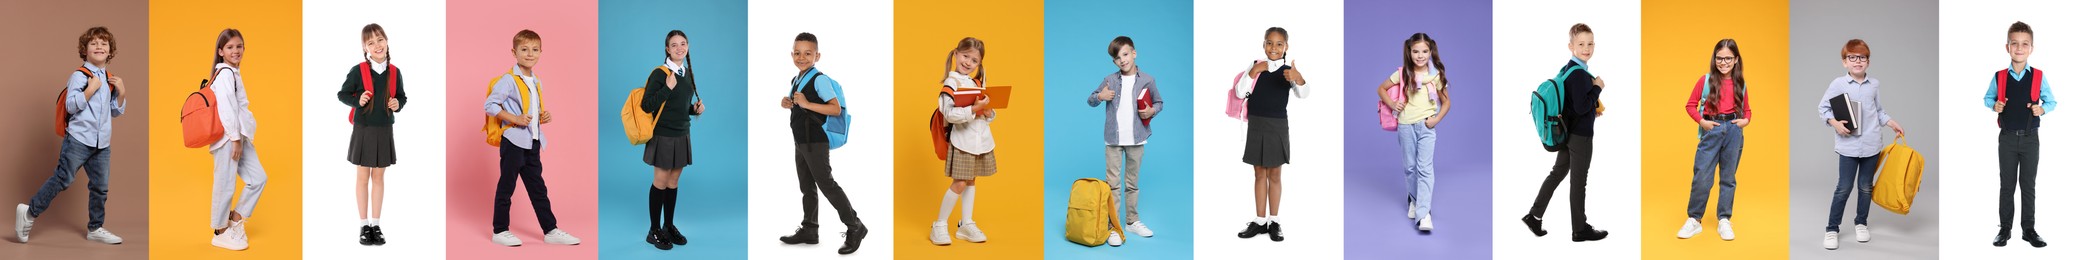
(1547, 106)
(837, 126)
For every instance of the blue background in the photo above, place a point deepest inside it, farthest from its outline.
(1077, 32)
(712, 206)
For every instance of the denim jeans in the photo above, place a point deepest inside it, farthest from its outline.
(72, 156)
(1719, 146)
(1418, 144)
(1851, 168)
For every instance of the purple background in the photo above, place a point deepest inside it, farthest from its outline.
(1374, 191)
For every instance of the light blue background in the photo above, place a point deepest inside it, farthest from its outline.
(1077, 32)
(712, 206)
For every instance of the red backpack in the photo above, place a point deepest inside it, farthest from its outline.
(391, 80)
(63, 117)
(2034, 86)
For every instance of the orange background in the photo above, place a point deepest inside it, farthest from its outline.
(183, 32)
(1007, 205)
(1671, 64)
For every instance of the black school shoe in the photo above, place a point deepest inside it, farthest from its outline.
(654, 237)
(1534, 224)
(363, 236)
(1252, 231)
(377, 236)
(851, 237)
(1587, 234)
(672, 236)
(2000, 240)
(2033, 239)
(1272, 231)
(802, 235)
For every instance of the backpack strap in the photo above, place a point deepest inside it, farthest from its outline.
(2001, 82)
(2035, 85)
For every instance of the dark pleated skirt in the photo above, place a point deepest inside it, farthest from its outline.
(371, 146)
(1268, 144)
(668, 152)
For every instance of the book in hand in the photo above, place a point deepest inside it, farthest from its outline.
(1842, 109)
(967, 96)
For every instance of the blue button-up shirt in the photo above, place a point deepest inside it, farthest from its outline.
(93, 113)
(1866, 141)
(1991, 92)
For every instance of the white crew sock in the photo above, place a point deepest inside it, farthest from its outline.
(1272, 218)
(944, 210)
(374, 222)
(366, 222)
(1260, 221)
(967, 212)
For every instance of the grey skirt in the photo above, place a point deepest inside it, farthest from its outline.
(668, 152)
(371, 146)
(1267, 144)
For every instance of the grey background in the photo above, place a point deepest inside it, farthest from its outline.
(1902, 36)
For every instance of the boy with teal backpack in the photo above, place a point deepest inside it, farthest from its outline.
(1566, 128)
(820, 123)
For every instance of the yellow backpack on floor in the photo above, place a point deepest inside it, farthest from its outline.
(1898, 181)
(1092, 214)
(639, 125)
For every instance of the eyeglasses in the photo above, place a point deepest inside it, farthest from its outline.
(1856, 58)
(1726, 59)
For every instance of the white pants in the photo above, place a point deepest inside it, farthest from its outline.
(226, 172)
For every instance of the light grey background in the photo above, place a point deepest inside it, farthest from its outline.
(1903, 38)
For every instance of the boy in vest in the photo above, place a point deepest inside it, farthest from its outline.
(1581, 96)
(2020, 97)
(812, 102)
(92, 103)
(522, 108)
(1126, 128)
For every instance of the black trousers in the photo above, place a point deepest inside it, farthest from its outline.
(1574, 161)
(518, 162)
(815, 176)
(2019, 150)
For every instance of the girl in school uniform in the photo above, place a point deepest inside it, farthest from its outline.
(972, 154)
(373, 91)
(1267, 147)
(672, 95)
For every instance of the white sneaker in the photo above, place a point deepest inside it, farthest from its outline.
(1114, 240)
(22, 223)
(1140, 229)
(1692, 227)
(1723, 228)
(560, 237)
(508, 239)
(103, 235)
(939, 235)
(1425, 224)
(1413, 211)
(1831, 240)
(1860, 233)
(231, 238)
(971, 232)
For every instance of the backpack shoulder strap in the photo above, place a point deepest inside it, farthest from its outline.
(392, 80)
(2001, 80)
(2034, 85)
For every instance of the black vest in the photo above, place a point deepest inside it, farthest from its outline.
(2017, 115)
(806, 124)
(1268, 98)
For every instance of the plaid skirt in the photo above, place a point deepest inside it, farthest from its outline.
(966, 166)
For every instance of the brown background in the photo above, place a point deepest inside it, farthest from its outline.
(40, 50)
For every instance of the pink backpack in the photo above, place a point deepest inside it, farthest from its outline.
(1389, 119)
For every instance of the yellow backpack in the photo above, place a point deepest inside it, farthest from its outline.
(1092, 214)
(1901, 168)
(494, 126)
(639, 125)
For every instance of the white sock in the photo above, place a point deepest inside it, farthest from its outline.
(944, 210)
(1272, 218)
(365, 222)
(1260, 221)
(967, 212)
(374, 222)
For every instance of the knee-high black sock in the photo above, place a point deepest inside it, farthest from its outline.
(668, 203)
(653, 208)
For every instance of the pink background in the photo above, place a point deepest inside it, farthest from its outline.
(478, 51)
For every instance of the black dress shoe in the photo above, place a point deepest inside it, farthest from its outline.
(654, 237)
(363, 236)
(377, 236)
(670, 235)
(2000, 240)
(2033, 238)
(1588, 234)
(803, 235)
(1533, 224)
(1272, 231)
(1252, 231)
(851, 237)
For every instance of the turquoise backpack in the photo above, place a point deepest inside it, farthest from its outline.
(1547, 107)
(837, 126)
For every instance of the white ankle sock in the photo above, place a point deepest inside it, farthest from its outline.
(374, 222)
(1260, 221)
(944, 211)
(365, 222)
(967, 213)
(1272, 218)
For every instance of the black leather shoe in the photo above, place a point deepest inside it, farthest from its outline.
(1588, 234)
(654, 237)
(803, 235)
(1534, 224)
(377, 236)
(1272, 231)
(363, 236)
(851, 237)
(2033, 239)
(1252, 231)
(669, 234)
(2000, 240)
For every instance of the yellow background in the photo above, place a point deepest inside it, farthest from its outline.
(1682, 36)
(182, 35)
(1007, 205)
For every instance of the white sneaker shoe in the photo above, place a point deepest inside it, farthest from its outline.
(1140, 229)
(1425, 224)
(560, 237)
(103, 235)
(971, 232)
(1692, 227)
(1413, 211)
(1723, 228)
(234, 238)
(1114, 240)
(22, 223)
(939, 235)
(508, 239)
(1860, 233)
(1831, 240)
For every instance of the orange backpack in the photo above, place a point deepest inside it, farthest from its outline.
(639, 124)
(63, 117)
(940, 131)
(200, 125)
(494, 126)
(391, 80)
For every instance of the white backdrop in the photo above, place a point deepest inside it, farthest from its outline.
(1228, 36)
(1532, 40)
(1972, 47)
(857, 49)
(333, 43)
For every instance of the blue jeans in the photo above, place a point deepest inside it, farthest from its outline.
(1418, 144)
(1850, 167)
(1719, 147)
(72, 156)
